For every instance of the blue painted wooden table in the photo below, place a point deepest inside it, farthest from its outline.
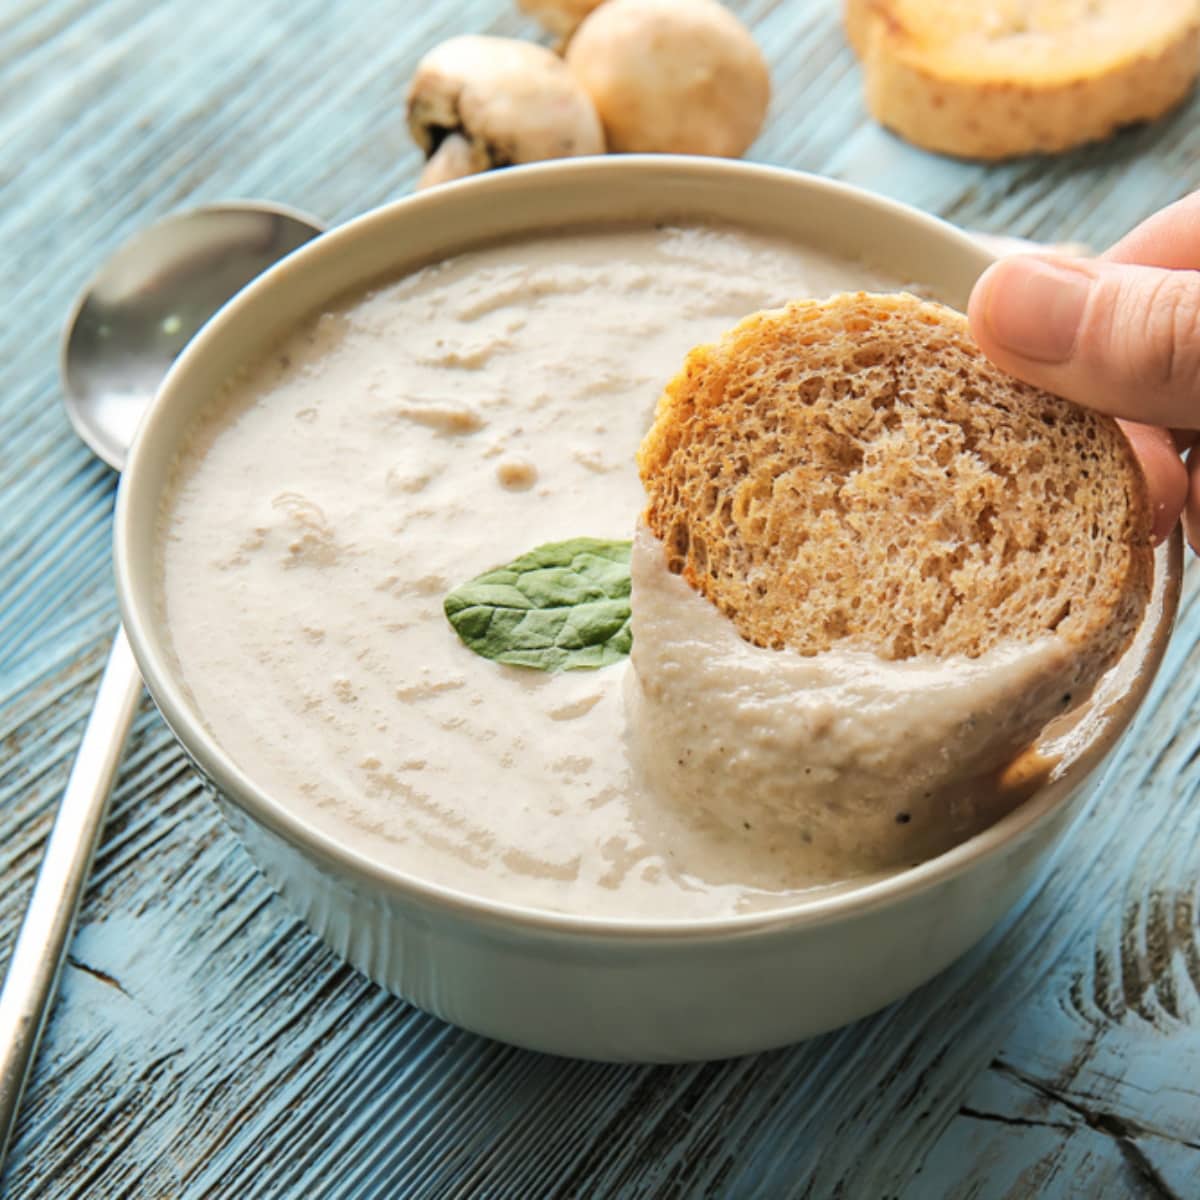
(205, 1045)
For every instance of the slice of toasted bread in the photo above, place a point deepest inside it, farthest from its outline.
(854, 473)
(984, 79)
(856, 18)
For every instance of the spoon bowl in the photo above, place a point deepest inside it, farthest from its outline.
(150, 298)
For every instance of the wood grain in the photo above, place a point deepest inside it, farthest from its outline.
(204, 1044)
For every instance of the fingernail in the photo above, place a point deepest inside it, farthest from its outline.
(1034, 308)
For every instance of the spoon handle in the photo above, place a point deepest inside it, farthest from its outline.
(32, 976)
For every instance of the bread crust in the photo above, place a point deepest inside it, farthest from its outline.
(856, 18)
(855, 473)
(988, 81)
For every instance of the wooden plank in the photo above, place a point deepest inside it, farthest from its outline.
(205, 1044)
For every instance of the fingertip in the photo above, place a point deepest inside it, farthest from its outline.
(977, 306)
(1191, 512)
(1166, 477)
(995, 298)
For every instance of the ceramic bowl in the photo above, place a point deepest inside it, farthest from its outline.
(642, 989)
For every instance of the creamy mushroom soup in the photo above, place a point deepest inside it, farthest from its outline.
(402, 443)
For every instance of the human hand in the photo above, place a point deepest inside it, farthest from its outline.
(1121, 334)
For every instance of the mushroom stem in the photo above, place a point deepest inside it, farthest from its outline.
(453, 159)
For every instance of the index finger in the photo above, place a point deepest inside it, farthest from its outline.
(1170, 238)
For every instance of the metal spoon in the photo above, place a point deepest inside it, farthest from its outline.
(125, 330)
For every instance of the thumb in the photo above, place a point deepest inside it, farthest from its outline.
(1118, 338)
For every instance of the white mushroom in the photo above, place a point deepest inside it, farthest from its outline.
(559, 17)
(672, 76)
(481, 102)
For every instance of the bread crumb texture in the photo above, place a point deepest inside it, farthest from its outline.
(991, 79)
(854, 473)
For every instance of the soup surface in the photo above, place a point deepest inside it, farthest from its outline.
(402, 443)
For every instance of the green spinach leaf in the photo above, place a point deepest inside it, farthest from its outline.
(561, 607)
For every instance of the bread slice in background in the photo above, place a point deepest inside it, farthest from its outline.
(853, 473)
(856, 17)
(991, 79)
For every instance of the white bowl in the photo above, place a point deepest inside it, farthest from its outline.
(600, 988)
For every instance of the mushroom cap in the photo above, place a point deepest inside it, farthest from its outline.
(672, 76)
(513, 102)
(559, 17)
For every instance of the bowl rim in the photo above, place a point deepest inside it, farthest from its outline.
(138, 609)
